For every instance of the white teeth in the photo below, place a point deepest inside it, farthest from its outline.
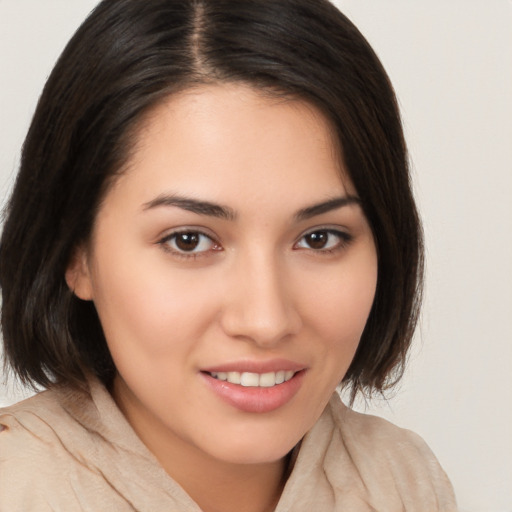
(249, 379)
(267, 380)
(234, 377)
(288, 375)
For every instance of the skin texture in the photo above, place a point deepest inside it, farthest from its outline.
(253, 290)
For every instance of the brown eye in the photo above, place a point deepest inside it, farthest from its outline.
(189, 242)
(317, 240)
(324, 240)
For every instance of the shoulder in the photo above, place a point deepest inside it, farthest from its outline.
(25, 424)
(27, 440)
(34, 422)
(389, 457)
(43, 455)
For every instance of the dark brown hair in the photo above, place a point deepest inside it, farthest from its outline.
(126, 58)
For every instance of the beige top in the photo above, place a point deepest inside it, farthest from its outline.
(66, 451)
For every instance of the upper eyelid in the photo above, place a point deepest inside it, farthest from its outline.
(343, 234)
(169, 233)
(343, 231)
(329, 228)
(165, 243)
(206, 231)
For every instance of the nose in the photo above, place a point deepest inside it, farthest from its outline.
(260, 306)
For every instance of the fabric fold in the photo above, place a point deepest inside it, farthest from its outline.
(65, 450)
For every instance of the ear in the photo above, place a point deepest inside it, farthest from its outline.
(78, 275)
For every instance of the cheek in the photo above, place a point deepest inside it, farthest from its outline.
(148, 310)
(342, 304)
(339, 310)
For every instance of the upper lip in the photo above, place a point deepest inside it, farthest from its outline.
(255, 366)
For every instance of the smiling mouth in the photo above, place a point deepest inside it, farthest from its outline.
(254, 380)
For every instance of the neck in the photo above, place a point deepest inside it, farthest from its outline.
(229, 488)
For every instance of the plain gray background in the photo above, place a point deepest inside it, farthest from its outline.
(451, 64)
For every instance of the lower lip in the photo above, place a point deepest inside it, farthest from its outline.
(255, 399)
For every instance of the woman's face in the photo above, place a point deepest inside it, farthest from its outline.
(231, 248)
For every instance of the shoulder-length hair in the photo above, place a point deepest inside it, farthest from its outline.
(126, 58)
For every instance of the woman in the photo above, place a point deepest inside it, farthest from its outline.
(211, 229)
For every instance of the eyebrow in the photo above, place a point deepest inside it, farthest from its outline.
(326, 206)
(192, 205)
(225, 212)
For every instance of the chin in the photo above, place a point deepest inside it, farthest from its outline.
(254, 449)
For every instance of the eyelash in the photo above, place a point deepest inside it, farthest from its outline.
(344, 239)
(166, 240)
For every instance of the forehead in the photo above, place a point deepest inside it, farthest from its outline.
(227, 141)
